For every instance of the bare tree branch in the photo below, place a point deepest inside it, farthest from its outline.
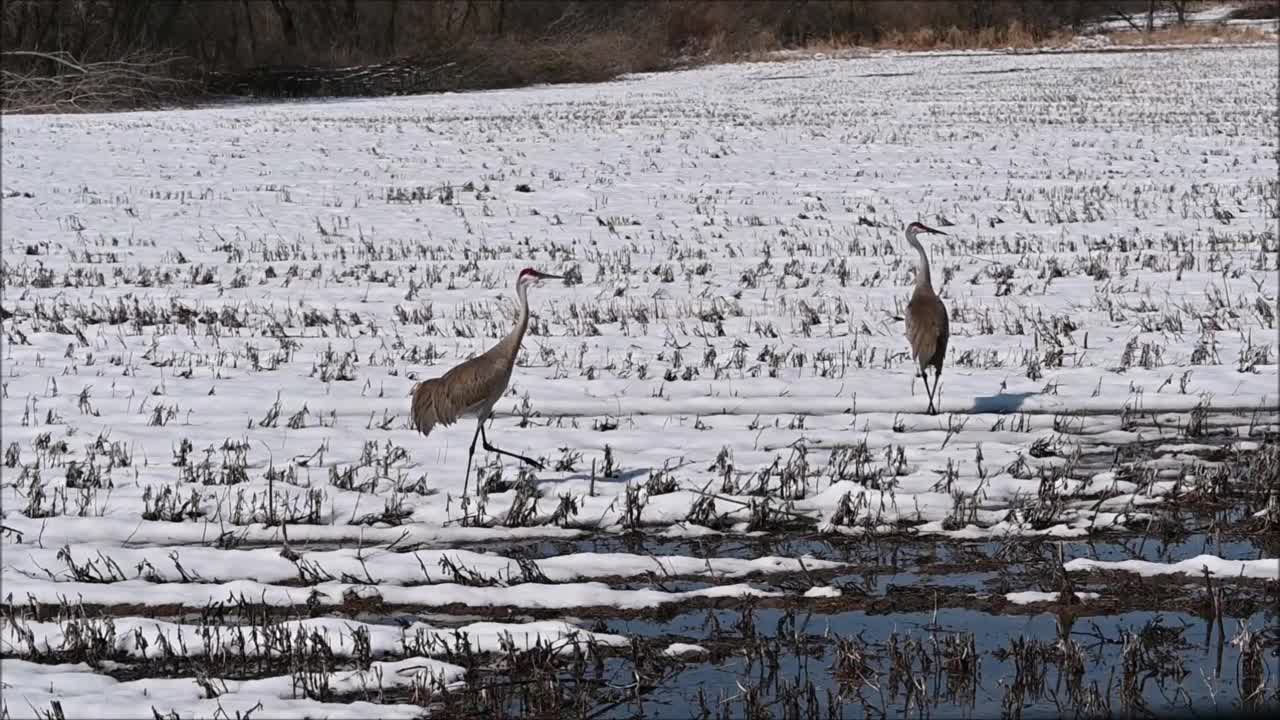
(138, 80)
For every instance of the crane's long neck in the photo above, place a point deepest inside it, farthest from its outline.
(516, 336)
(923, 278)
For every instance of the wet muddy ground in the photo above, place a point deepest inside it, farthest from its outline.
(908, 625)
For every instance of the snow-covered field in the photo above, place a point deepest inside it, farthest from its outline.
(219, 314)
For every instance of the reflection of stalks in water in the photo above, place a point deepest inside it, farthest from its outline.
(853, 668)
(1251, 669)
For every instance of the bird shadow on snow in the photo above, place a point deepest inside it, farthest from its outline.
(1002, 403)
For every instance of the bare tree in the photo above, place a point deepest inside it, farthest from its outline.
(390, 33)
(1125, 16)
(286, 22)
(253, 40)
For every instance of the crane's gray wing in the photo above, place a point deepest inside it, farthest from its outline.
(944, 333)
(465, 388)
(927, 330)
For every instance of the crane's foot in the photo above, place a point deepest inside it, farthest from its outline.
(515, 456)
(525, 460)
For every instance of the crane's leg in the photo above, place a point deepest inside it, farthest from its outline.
(924, 378)
(929, 391)
(471, 453)
(937, 394)
(933, 393)
(491, 448)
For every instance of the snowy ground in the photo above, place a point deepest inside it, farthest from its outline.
(218, 316)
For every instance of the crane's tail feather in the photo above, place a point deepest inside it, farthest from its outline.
(431, 406)
(422, 409)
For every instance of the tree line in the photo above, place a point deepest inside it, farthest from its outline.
(489, 43)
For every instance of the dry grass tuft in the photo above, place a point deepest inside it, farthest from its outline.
(590, 57)
(1194, 35)
(1015, 36)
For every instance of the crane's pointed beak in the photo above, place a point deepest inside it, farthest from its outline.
(934, 231)
(549, 276)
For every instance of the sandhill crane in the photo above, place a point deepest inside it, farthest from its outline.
(927, 325)
(473, 387)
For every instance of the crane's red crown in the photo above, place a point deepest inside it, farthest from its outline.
(531, 274)
(921, 227)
